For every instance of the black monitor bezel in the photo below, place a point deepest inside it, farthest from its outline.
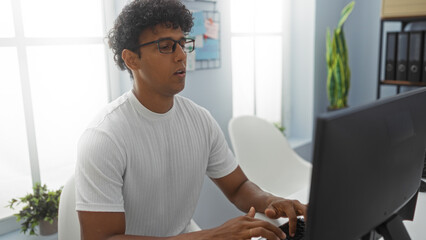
(321, 124)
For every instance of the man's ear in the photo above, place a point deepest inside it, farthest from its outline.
(130, 58)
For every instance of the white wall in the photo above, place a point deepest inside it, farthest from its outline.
(302, 68)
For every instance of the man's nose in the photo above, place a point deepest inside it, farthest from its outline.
(180, 53)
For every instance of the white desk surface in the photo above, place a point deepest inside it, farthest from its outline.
(416, 228)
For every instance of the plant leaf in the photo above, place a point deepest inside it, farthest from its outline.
(328, 48)
(331, 87)
(346, 11)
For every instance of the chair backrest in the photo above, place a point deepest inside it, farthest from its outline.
(68, 224)
(266, 157)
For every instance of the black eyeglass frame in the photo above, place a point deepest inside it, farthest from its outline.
(187, 40)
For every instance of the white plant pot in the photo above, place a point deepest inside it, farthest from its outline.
(45, 228)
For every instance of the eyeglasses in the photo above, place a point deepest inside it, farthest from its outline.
(168, 45)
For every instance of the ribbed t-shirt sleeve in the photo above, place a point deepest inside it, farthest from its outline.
(221, 160)
(99, 173)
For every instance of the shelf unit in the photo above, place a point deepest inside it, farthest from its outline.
(404, 21)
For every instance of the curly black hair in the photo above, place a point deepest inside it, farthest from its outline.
(140, 15)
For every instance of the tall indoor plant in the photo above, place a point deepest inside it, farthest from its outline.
(339, 73)
(41, 209)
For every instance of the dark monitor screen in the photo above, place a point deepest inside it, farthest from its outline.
(367, 166)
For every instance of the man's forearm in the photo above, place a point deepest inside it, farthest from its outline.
(249, 194)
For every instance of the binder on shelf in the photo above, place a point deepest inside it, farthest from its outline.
(415, 56)
(424, 59)
(390, 55)
(402, 56)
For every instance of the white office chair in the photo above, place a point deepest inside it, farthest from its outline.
(267, 158)
(68, 224)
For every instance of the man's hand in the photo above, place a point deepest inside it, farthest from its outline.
(244, 194)
(246, 227)
(281, 207)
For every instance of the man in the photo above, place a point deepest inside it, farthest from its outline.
(142, 161)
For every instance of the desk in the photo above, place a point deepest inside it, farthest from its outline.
(416, 228)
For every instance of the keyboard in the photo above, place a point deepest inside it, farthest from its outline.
(300, 230)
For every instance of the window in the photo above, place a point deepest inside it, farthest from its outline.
(53, 79)
(257, 58)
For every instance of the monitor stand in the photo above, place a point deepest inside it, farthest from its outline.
(394, 229)
(373, 235)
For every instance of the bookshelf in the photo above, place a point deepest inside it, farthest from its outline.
(403, 12)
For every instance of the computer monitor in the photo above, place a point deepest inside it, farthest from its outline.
(367, 167)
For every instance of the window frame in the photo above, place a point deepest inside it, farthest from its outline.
(285, 56)
(20, 43)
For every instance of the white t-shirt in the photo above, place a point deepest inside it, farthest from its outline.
(150, 166)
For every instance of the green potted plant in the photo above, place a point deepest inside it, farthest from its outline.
(41, 209)
(339, 73)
